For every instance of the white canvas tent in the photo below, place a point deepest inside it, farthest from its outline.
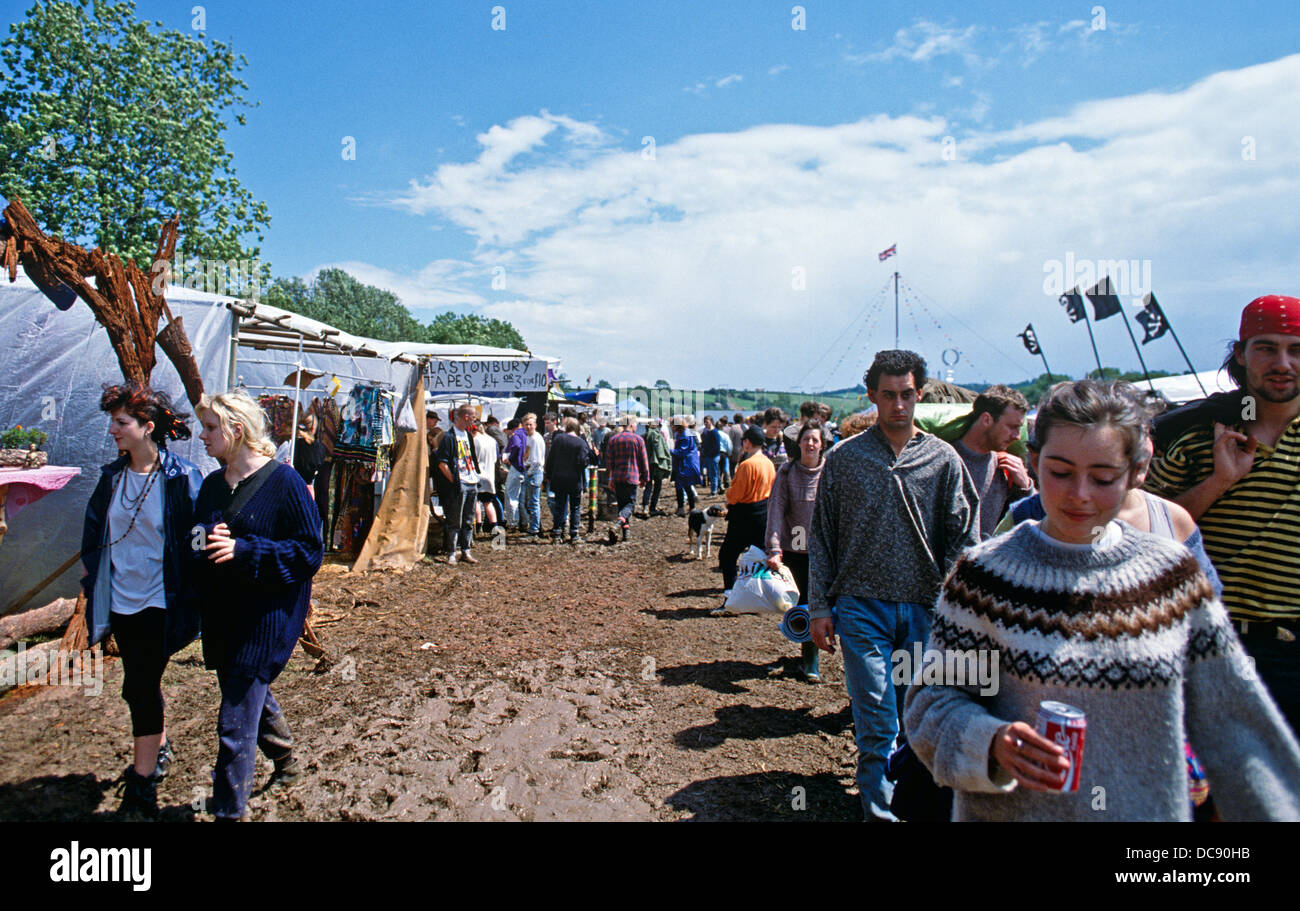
(1184, 388)
(55, 362)
(52, 367)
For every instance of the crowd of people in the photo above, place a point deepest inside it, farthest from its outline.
(1139, 565)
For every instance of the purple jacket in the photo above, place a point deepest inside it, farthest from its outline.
(516, 447)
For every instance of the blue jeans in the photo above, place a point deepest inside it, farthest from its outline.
(531, 507)
(249, 718)
(870, 631)
(568, 503)
(711, 466)
(514, 483)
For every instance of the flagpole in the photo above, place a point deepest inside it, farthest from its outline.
(1025, 337)
(895, 308)
(1101, 374)
(1195, 375)
(1133, 339)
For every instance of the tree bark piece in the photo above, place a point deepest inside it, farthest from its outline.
(76, 637)
(126, 302)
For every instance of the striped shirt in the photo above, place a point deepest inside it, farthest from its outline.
(1251, 532)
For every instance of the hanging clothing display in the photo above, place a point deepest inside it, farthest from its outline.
(279, 414)
(328, 421)
(367, 423)
(354, 505)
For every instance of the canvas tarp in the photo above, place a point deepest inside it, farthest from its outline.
(1180, 390)
(397, 536)
(52, 367)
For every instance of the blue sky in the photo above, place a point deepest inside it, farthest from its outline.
(985, 140)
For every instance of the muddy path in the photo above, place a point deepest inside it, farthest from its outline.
(546, 682)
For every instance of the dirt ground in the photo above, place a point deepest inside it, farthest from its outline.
(547, 682)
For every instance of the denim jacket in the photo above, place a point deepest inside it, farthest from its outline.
(181, 482)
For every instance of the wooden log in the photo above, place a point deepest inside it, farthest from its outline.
(51, 618)
(25, 667)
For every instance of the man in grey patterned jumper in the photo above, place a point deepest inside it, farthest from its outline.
(895, 508)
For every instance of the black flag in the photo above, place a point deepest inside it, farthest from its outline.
(1152, 319)
(1030, 340)
(1104, 301)
(1073, 305)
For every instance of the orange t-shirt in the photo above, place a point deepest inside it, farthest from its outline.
(753, 481)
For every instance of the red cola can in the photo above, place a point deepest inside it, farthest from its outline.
(1065, 725)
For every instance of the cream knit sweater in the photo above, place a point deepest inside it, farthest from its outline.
(1130, 632)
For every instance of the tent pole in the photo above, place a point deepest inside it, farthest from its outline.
(895, 309)
(231, 375)
(297, 391)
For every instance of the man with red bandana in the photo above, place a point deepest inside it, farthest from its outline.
(1241, 482)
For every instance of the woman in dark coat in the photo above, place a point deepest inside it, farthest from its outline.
(257, 545)
(135, 533)
(686, 466)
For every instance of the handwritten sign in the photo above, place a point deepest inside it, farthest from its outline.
(486, 375)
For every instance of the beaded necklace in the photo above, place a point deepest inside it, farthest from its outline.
(137, 502)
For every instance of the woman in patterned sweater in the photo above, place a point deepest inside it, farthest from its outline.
(1087, 610)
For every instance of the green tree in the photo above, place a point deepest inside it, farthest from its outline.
(604, 384)
(472, 329)
(335, 297)
(108, 127)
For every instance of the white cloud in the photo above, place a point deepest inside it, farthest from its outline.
(778, 69)
(923, 41)
(1034, 41)
(718, 83)
(682, 266)
(979, 108)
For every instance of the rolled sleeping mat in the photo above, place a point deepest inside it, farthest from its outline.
(796, 625)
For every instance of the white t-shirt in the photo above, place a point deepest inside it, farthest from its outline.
(535, 456)
(465, 457)
(486, 447)
(136, 561)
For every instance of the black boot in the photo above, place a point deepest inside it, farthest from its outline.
(139, 796)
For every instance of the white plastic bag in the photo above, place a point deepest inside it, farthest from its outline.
(758, 590)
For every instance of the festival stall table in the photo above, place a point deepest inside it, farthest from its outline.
(20, 487)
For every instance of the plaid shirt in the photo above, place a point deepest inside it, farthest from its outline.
(625, 458)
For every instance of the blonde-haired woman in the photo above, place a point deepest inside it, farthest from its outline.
(255, 548)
